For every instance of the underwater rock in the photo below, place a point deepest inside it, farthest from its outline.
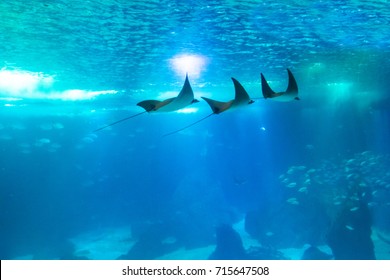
(313, 253)
(291, 225)
(350, 235)
(189, 220)
(255, 223)
(157, 240)
(229, 245)
(335, 184)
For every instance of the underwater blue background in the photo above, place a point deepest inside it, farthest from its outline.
(70, 67)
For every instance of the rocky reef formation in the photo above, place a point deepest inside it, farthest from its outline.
(230, 247)
(350, 235)
(336, 202)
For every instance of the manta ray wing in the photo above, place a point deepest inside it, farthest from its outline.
(241, 96)
(218, 106)
(292, 83)
(290, 94)
(184, 98)
(186, 92)
(266, 89)
(154, 105)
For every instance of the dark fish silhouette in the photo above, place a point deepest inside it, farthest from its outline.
(241, 98)
(290, 94)
(185, 98)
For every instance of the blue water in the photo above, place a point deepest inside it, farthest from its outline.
(70, 67)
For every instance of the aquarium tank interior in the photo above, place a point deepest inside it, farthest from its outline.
(194, 130)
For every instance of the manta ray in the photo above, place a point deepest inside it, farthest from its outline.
(290, 94)
(185, 98)
(241, 98)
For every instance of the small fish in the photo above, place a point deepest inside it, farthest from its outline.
(169, 240)
(353, 209)
(88, 140)
(355, 198)
(55, 146)
(309, 147)
(349, 227)
(292, 185)
(42, 142)
(58, 125)
(293, 201)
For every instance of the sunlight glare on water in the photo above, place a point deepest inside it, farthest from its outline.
(193, 65)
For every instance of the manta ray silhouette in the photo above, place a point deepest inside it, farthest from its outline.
(290, 94)
(185, 98)
(241, 98)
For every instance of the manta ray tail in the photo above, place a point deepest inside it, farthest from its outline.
(119, 121)
(183, 128)
(266, 89)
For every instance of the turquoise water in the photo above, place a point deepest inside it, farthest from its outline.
(284, 174)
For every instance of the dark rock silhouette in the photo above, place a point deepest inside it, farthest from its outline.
(350, 235)
(313, 253)
(229, 245)
(152, 243)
